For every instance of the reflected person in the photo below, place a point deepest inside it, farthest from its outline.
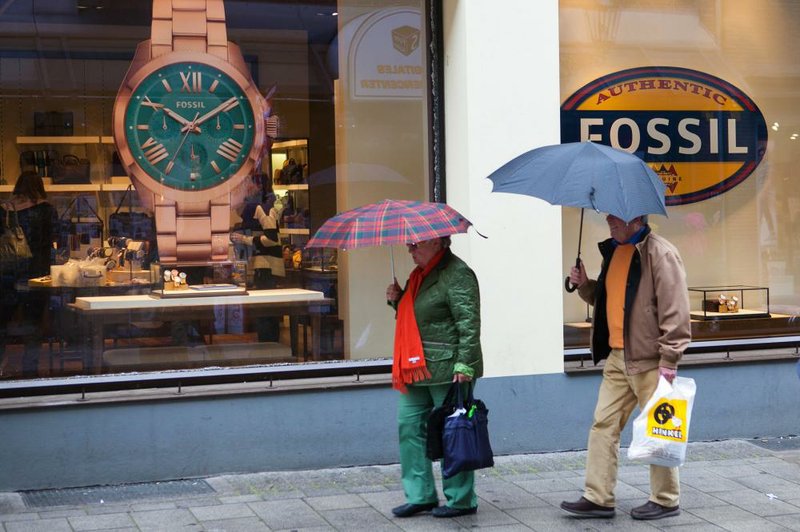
(641, 327)
(437, 342)
(20, 307)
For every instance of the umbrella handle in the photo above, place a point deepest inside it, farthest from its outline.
(568, 286)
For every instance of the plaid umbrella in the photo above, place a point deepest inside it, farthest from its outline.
(387, 223)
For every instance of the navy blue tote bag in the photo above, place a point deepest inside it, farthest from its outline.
(465, 438)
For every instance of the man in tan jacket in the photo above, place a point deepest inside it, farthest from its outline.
(641, 327)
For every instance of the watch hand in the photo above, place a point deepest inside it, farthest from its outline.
(189, 127)
(178, 118)
(224, 106)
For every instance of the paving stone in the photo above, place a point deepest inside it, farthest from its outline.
(384, 501)
(366, 519)
(706, 481)
(758, 503)
(59, 524)
(426, 523)
(233, 499)
(287, 514)
(724, 516)
(222, 511)
(783, 489)
(11, 503)
(178, 518)
(100, 522)
(552, 519)
(506, 495)
(63, 512)
(546, 485)
(487, 516)
(791, 522)
(335, 502)
(242, 524)
(25, 516)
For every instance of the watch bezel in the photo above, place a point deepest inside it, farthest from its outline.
(132, 167)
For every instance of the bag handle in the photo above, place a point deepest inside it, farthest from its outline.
(122, 199)
(462, 401)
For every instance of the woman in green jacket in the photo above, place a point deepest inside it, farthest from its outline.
(437, 342)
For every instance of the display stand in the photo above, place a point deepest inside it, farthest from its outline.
(751, 302)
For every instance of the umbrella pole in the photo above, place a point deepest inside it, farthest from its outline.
(391, 255)
(567, 284)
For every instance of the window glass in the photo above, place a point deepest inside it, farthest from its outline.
(742, 236)
(347, 125)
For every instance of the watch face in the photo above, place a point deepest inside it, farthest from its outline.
(189, 126)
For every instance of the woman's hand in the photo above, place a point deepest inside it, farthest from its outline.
(393, 292)
(460, 377)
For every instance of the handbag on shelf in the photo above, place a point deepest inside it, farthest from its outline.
(465, 438)
(14, 246)
(71, 170)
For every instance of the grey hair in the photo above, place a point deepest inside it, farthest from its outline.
(446, 241)
(645, 219)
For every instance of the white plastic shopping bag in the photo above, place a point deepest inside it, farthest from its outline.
(661, 431)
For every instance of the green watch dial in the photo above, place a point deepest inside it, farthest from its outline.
(189, 126)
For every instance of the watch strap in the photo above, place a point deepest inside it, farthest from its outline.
(191, 231)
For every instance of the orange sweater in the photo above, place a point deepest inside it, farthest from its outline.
(616, 279)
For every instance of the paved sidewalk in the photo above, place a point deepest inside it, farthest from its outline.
(730, 485)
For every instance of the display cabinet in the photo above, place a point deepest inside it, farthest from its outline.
(729, 302)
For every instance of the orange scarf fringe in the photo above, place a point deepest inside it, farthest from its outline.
(409, 365)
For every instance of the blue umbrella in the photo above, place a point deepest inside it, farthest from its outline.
(585, 175)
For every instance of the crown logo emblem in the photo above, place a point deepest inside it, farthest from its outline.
(669, 176)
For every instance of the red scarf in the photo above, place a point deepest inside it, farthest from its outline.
(409, 357)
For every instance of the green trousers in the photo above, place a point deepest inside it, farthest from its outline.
(417, 471)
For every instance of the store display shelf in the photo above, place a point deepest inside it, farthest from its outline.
(91, 139)
(281, 188)
(72, 188)
(282, 144)
(294, 231)
(106, 139)
(6, 188)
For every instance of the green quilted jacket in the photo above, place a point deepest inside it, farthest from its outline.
(448, 312)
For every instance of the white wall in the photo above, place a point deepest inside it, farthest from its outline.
(501, 64)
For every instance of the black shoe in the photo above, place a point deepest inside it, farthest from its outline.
(652, 510)
(449, 511)
(407, 510)
(583, 507)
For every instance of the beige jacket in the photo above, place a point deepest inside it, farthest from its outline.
(656, 327)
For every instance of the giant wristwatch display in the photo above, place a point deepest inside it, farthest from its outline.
(189, 128)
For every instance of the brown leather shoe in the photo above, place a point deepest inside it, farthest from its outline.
(583, 507)
(652, 510)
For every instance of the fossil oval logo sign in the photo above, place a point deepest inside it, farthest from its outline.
(701, 134)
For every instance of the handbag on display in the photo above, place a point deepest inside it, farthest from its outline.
(71, 170)
(79, 231)
(465, 438)
(13, 244)
(131, 224)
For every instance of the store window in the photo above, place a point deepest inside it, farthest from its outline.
(342, 110)
(733, 204)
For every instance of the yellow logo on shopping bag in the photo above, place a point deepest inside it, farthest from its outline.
(667, 420)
